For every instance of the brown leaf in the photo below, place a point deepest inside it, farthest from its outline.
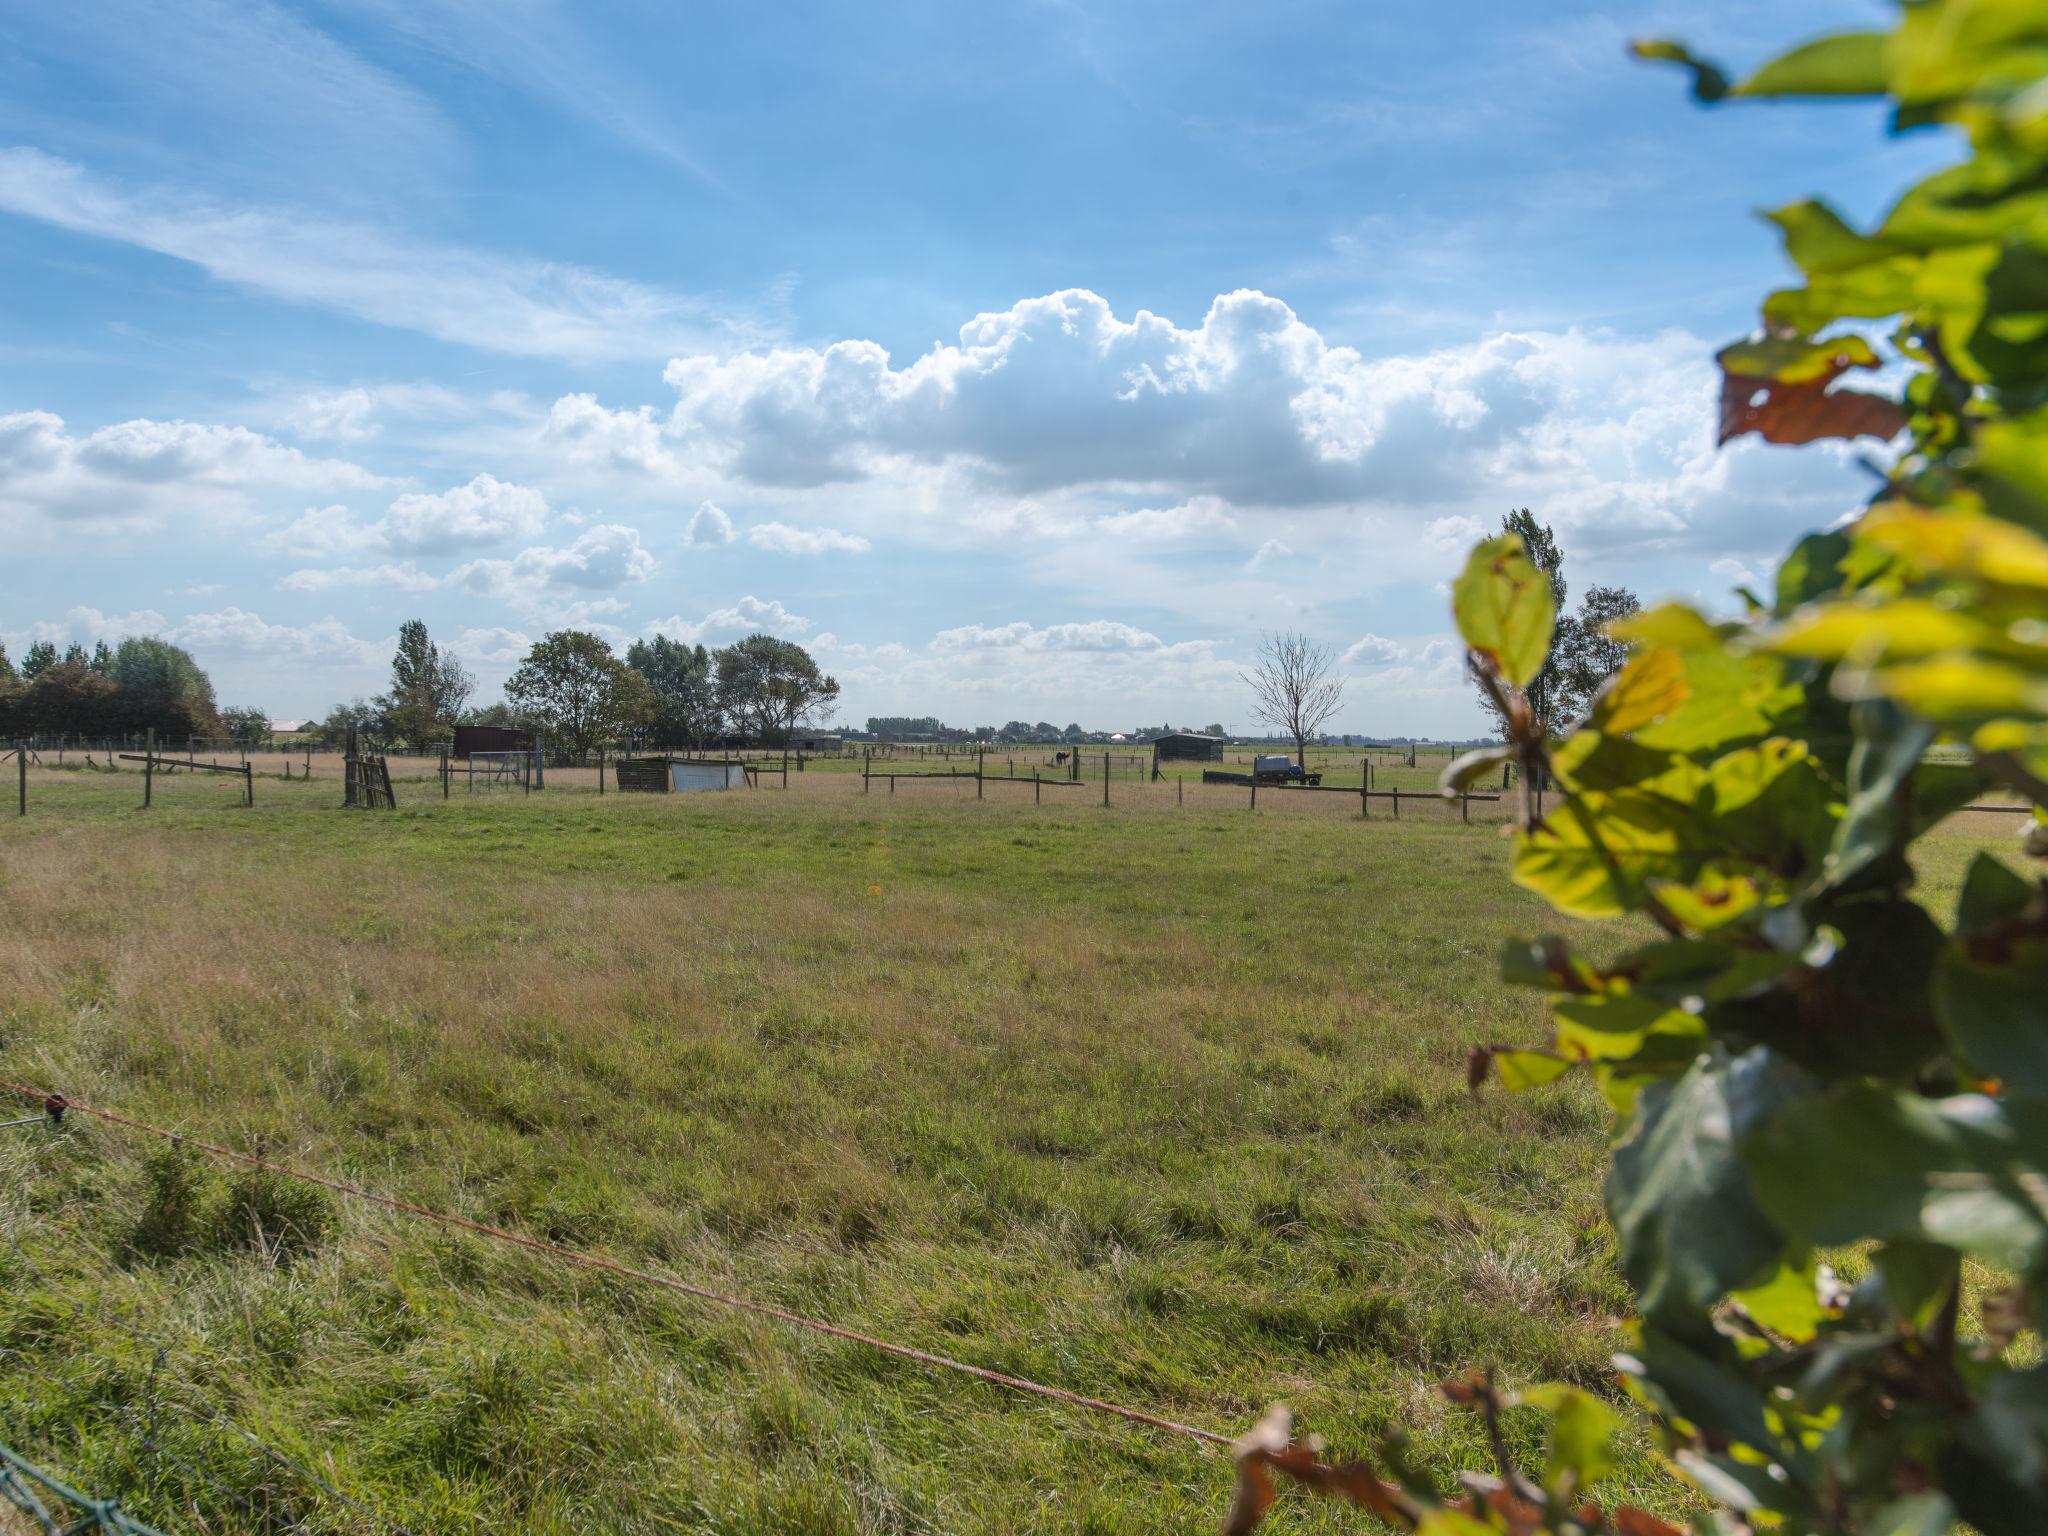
(1799, 411)
(1630, 1521)
(1268, 1447)
(1477, 1067)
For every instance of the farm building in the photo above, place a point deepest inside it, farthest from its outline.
(490, 738)
(1188, 747)
(662, 775)
(818, 743)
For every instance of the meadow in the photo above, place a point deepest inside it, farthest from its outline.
(1164, 1104)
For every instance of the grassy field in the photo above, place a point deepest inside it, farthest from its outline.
(1163, 1103)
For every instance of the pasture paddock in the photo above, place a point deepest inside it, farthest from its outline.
(1163, 1104)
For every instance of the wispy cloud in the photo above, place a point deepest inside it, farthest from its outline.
(478, 298)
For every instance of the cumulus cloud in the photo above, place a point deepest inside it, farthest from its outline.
(1268, 552)
(234, 630)
(748, 615)
(137, 470)
(1191, 519)
(492, 644)
(708, 526)
(83, 625)
(1094, 635)
(590, 433)
(405, 577)
(602, 559)
(785, 540)
(1373, 651)
(342, 413)
(484, 512)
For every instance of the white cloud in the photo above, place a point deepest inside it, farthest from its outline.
(1268, 552)
(1373, 651)
(785, 540)
(82, 626)
(405, 577)
(141, 470)
(748, 615)
(1191, 519)
(1095, 635)
(492, 644)
(602, 559)
(708, 526)
(341, 413)
(236, 631)
(622, 440)
(485, 511)
(478, 298)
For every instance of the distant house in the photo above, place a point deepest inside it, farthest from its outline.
(1188, 747)
(290, 727)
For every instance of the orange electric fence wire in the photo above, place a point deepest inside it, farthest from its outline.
(58, 1105)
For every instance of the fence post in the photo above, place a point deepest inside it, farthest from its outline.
(1105, 778)
(148, 768)
(867, 760)
(1037, 791)
(977, 771)
(1397, 802)
(444, 773)
(600, 771)
(248, 785)
(1255, 786)
(21, 770)
(1177, 786)
(1465, 806)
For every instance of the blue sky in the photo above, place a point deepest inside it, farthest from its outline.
(1023, 360)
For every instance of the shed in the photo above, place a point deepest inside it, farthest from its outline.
(490, 738)
(697, 775)
(1189, 747)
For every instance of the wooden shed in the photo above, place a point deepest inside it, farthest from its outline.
(1188, 747)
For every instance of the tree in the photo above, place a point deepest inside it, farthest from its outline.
(66, 698)
(1295, 687)
(162, 688)
(364, 717)
(684, 706)
(40, 654)
(1215, 729)
(247, 726)
(572, 686)
(7, 672)
(428, 688)
(1543, 553)
(102, 659)
(1816, 1051)
(768, 687)
(1586, 653)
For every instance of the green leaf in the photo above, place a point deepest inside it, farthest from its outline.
(1877, 1163)
(1787, 1303)
(1528, 1069)
(1583, 1431)
(1467, 769)
(1680, 1199)
(1917, 1278)
(1504, 608)
(1649, 686)
(1991, 983)
(1642, 838)
(1813, 570)
(1844, 64)
(1918, 1514)
(1709, 83)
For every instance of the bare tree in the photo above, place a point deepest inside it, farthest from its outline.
(1295, 687)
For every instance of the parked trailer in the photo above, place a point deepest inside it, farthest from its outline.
(1278, 768)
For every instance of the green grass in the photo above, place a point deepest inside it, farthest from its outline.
(1160, 1105)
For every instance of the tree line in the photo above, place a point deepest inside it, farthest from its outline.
(576, 692)
(145, 683)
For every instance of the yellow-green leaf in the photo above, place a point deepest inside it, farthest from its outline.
(1649, 687)
(1504, 608)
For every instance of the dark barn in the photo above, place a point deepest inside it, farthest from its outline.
(1188, 747)
(490, 738)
